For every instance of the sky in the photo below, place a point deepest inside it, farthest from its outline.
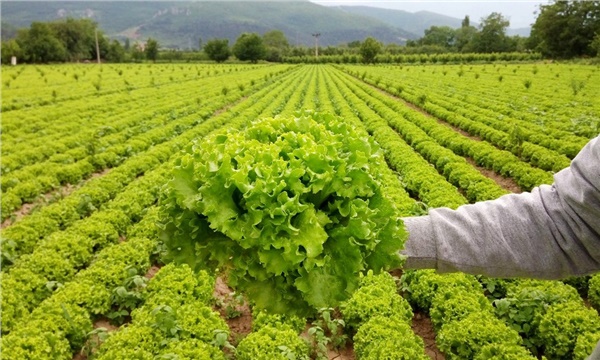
(519, 12)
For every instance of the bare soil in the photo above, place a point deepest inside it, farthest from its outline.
(152, 271)
(100, 323)
(504, 182)
(239, 326)
(422, 326)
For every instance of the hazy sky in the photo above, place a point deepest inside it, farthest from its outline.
(519, 12)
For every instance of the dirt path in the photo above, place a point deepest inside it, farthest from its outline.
(422, 326)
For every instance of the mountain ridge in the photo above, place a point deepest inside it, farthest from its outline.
(184, 24)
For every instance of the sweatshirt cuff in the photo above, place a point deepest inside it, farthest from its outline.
(421, 246)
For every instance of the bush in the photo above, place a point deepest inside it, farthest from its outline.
(270, 343)
(503, 352)
(190, 349)
(388, 338)
(261, 318)
(465, 338)
(376, 295)
(456, 304)
(421, 286)
(585, 345)
(594, 291)
(562, 324)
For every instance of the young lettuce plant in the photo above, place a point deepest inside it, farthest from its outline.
(291, 209)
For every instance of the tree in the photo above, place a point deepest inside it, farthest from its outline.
(595, 45)
(137, 52)
(217, 50)
(151, 49)
(354, 44)
(77, 36)
(116, 52)
(127, 45)
(444, 36)
(277, 45)
(566, 29)
(369, 50)
(250, 46)
(492, 36)
(9, 49)
(40, 44)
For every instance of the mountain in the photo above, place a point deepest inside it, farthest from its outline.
(181, 24)
(417, 22)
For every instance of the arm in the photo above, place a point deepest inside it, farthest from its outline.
(551, 233)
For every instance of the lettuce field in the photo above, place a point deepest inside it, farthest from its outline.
(199, 211)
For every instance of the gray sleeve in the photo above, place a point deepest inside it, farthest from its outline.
(551, 233)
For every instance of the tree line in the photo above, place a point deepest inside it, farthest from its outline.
(562, 29)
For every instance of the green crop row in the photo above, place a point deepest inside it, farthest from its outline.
(92, 288)
(25, 185)
(66, 83)
(417, 175)
(484, 154)
(21, 237)
(456, 169)
(508, 137)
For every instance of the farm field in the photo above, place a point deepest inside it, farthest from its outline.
(87, 150)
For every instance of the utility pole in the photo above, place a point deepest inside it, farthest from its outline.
(316, 35)
(97, 47)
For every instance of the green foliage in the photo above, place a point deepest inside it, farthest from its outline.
(217, 50)
(465, 338)
(327, 330)
(369, 49)
(173, 284)
(288, 209)
(260, 319)
(503, 352)
(250, 46)
(277, 45)
(455, 304)
(562, 324)
(492, 36)
(53, 331)
(388, 338)
(151, 49)
(271, 343)
(526, 303)
(585, 345)
(421, 286)
(594, 291)
(131, 342)
(566, 29)
(190, 349)
(376, 295)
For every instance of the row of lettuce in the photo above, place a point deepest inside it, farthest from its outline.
(272, 336)
(531, 116)
(69, 82)
(174, 319)
(34, 171)
(550, 316)
(51, 245)
(92, 291)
